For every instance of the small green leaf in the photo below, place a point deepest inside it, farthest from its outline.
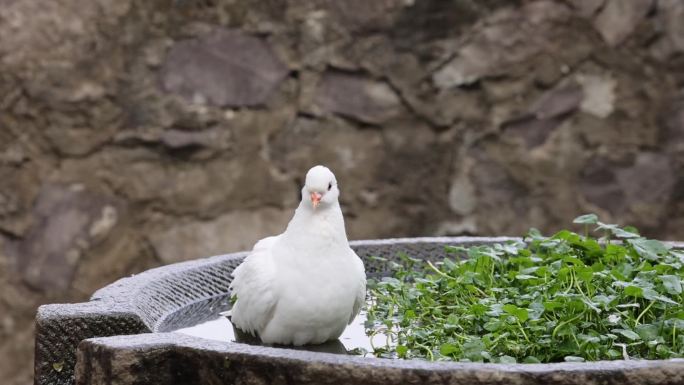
(573, 260)
(585, 273)
(473, 348)
(627, 333)
(672, 284)
(634, 291)
(509, 308)
(536, 310)
(623, 233)
(653, 295)
(391, 282)
(591, 305)
(573, 359)
(507, 360)
(586, 219)
(521, 314)
(568, 236)
(632, 229)
(455, 249)
(447, 349)
(603, 299)
(648, 248)
(588, 339)
(495, 310)
(58, 366)
(478, 309)
(648, 332)
(525, 277)
(493, 325)
(401, 351)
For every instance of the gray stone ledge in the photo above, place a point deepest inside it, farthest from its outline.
(174, 359)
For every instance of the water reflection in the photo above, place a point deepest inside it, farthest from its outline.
(203, 320)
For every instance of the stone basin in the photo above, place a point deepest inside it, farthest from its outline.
(121, 337)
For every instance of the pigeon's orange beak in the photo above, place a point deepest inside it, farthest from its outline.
(316, 198)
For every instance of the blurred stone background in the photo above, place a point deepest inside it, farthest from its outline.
(141, 133)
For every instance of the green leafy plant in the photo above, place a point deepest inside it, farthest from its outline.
(567, 297)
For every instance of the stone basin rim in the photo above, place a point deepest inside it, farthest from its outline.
(171, 339)
(128, 285)
(181, 341)
(128, 313)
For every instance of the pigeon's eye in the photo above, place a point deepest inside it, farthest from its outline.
(329, 186)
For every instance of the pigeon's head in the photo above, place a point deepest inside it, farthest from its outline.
(320, 188)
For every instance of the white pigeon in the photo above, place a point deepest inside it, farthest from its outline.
(305, 285)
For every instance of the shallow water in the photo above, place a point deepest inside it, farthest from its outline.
(203, 320)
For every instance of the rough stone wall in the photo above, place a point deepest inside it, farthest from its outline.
(139, 133)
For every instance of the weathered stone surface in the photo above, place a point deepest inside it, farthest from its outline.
(599, 94)
(649, 180)
(68, 221)
(673, 12)
(671, 41)
(646, 184)
(462, 198)
(468, 67)
(533, 131)
(194, 144)
(353, 150)
(618, 19)
(214, 137)
(18, 189)
(172, 359)
(673, 134)
(634, 188)
(494, 183)
(76, 141)
(471, 124)
(587, 8)
(37, 29)
(558, 102)
(600, 186)
(77, 135)
(465, 227)
(357, 97)
(225, 68)
(361, 14)
(235, 231)
(514, 36)
(546, 114)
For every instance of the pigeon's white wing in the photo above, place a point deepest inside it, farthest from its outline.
(361, 292)
(253, 287)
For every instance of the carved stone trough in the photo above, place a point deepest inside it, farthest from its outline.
(120, 337)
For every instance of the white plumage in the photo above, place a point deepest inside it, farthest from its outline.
(305, 285)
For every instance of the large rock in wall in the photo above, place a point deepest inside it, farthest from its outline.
(139, 133)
